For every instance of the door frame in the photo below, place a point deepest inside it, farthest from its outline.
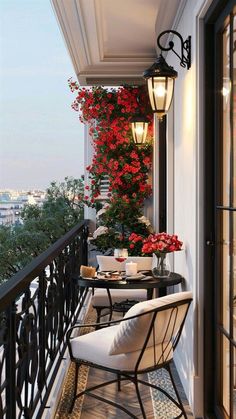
(218, 9)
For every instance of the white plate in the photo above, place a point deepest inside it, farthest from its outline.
(104, 277)
(135, 277)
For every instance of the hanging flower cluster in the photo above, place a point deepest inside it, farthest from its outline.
(108, 112)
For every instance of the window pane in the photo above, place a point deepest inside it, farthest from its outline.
(225, 90)
(234, 387)
(234, 276)
(225, 375)
(234, 109)
(225, 269)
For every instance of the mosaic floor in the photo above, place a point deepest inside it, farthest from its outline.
(162, 407)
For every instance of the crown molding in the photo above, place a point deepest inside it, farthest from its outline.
(99, 48)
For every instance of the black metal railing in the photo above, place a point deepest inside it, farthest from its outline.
(37, 305)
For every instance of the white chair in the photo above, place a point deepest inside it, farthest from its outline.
(100, 300)
(107, 263)
(143, 341)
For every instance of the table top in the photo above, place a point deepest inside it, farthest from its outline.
(173, 279)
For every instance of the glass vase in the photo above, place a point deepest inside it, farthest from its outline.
(162, 268)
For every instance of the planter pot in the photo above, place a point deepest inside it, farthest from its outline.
(108, 263)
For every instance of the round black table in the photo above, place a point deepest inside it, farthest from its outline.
(148, 284)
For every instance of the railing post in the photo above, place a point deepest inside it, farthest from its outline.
(61, 295)
(42, 332)
(11, 362)
(85, 245)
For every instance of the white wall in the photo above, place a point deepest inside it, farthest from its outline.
(185, 195)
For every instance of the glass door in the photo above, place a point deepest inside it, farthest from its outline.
(225, 214)
(220, 210)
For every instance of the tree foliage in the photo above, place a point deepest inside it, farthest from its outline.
(42, 225)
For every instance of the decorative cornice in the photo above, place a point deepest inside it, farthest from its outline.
(83, 24)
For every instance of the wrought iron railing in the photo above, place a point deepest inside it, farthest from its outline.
(37, 306)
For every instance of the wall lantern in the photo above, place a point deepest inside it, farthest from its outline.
(161, 77)
(139, 126)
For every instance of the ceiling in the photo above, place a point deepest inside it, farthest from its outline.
(111, 42)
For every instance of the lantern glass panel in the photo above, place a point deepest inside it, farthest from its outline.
(139, 131)
(160, 91)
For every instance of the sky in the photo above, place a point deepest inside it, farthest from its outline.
(41, 138)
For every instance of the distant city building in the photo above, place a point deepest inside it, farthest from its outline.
(12, 202)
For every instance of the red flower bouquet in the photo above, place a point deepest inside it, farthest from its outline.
(160, 243)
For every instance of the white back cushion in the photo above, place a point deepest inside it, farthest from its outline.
(131, 334)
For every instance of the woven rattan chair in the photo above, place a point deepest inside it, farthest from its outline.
(143, 341)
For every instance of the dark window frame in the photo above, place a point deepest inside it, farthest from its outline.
(216, 14)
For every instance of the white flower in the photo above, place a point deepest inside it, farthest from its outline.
(102, 210)
(100, 230)
(144, 220)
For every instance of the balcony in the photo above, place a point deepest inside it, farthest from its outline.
(37, 306)
(112, 43)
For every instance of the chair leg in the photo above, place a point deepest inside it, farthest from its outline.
(167, 367)
(98, 310)
(77, 365)
(119, 382)
(139, 397)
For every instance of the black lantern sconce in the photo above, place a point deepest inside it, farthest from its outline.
(139, 126)
(161, 77)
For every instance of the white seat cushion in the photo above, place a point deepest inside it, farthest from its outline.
(94, 347)
(100, 297)
(130, 334)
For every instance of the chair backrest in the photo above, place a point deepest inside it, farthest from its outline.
(109, 263)
(156, 322)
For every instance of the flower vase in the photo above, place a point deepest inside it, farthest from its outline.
(162, 268)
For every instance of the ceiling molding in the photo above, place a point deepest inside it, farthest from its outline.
(107, 39)
(83, 33)
(121, 55)
(99, 29)
(72, 26)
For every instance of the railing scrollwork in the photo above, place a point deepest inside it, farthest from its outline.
(37, 306)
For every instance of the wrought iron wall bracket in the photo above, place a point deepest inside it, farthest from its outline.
(185, 55)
